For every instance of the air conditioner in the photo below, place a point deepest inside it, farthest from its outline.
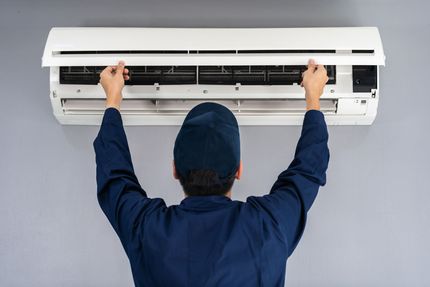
(256, 72)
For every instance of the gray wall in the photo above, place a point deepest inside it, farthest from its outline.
(369, 224)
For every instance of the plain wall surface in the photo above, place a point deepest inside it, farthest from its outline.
(368, 227)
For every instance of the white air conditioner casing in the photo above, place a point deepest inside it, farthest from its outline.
(250, 70)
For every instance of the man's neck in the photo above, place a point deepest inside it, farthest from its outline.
(228, 194)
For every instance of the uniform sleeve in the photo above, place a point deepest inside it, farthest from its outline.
(295, 189)
(119, 193)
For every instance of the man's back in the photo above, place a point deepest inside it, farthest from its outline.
(209, 240)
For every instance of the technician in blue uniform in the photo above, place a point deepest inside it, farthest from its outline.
(209, 239)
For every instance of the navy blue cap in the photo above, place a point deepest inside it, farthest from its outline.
(208, 139)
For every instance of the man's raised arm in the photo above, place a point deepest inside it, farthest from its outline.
(296, 188)
(119, 193)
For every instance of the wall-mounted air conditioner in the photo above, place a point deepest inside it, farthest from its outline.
(256, 72)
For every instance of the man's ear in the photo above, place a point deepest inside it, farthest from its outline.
(175, 174)
(239, 170)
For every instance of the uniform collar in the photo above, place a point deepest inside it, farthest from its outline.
(205, 202)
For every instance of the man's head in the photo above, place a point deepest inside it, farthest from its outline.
(207, 151)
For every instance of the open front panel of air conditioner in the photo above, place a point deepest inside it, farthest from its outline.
(254, 72)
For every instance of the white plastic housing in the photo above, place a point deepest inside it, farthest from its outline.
(252, 104)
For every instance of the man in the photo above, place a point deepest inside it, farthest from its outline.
(209, 239)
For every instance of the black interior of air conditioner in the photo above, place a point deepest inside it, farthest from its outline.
(209, 75)
(364, 78)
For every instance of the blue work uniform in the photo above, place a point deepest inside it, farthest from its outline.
(209, 240)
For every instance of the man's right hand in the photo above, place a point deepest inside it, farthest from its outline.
(112, 80)
(314, 80)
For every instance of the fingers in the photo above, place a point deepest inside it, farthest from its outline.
(116, 71)
(125, 72)
(311, 65)
(126, 75)
(314, 67)
(120, 69)
(311, 62)
(107, 70)
(321, 69)
(322, 73)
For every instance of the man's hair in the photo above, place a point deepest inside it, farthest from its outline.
(205, 182)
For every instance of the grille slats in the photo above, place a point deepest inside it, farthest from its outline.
(182, 75)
